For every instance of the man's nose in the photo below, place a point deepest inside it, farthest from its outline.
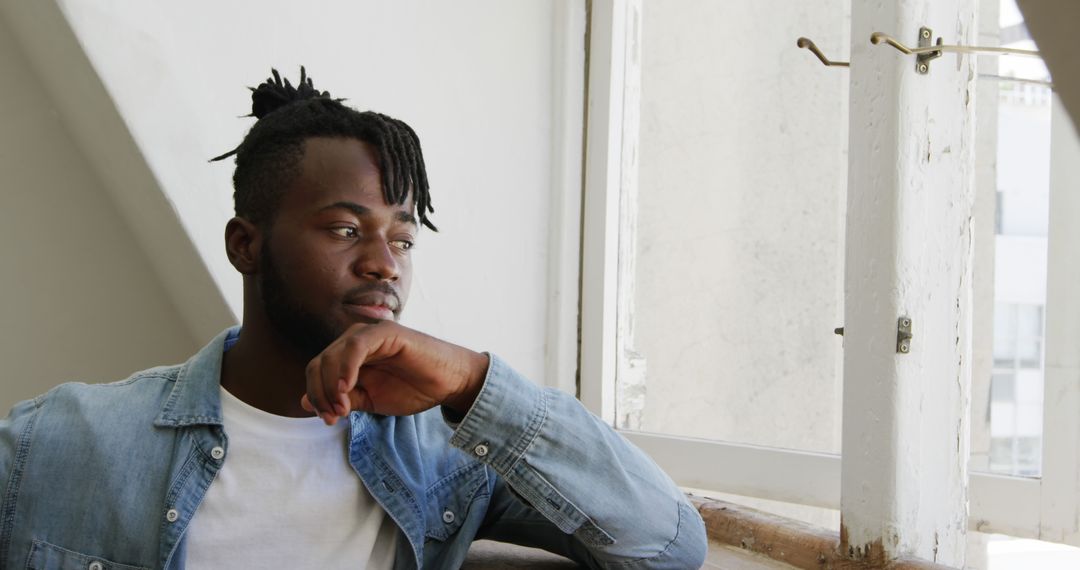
(377, 261)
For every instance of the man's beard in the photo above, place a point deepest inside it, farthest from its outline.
(299, 326)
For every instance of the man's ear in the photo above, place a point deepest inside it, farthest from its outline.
(243, 245)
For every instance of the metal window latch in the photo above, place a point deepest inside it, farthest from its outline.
(903, 335)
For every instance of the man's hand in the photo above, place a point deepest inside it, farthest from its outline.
(391, 370)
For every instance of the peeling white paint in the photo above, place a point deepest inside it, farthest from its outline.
(909, 252)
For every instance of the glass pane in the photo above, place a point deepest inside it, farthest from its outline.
(1003, 388)
(1004, 349)
(1002, 458)
(1029, 352)
(1007, 434)
(737, 258)
(1004, 315)
(1029, 322)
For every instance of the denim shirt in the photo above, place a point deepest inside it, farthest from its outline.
(113, 473)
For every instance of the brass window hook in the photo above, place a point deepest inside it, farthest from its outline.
(927, 51)
(924, 53)
(806, 43)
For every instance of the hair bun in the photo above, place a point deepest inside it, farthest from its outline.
(275, 93)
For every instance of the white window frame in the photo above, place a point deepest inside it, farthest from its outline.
(1047, 508)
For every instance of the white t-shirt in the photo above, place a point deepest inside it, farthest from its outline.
(287, 497)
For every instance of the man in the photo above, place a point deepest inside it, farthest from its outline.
(418, 448)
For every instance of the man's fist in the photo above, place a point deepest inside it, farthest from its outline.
(391, 370)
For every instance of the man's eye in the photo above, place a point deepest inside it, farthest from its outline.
(404, 245)
(345, 232)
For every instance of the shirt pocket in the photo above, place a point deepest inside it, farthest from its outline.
(45, 556)
(450, 499)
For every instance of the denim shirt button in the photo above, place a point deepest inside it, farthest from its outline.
(448, 516)
(95, 565)
(172, 515)
(480, 450)
(217, 453)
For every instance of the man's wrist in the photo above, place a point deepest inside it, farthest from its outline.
(476, 372)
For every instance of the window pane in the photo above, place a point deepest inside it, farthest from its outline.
(1003, 388)
(1001, 455)
(1004, 319)
(1029, 351)
(1004, 349)
(737, 255)
(1029, 322)
(1007, 433)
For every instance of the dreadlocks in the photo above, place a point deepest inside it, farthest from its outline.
(269, 157)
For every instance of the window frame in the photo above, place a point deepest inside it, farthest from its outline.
(1046, 508)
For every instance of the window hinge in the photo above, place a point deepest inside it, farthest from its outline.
(903, 335)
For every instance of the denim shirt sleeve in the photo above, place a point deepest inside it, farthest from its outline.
(15, 432)
(576, 473)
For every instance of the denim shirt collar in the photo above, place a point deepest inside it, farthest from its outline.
(195, 398)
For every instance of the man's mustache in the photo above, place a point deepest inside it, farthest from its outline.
(357, 295)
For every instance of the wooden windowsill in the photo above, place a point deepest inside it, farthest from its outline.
(785, 540)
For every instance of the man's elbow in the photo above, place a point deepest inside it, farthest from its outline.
(691, 544)
(688, 548)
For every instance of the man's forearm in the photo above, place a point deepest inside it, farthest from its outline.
(580, 474)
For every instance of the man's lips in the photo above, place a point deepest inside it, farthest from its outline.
(373, 304)
(377, 312)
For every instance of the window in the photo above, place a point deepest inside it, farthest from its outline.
(731, 249)
(1008, 438)
(754, 321)
(1016, 402)
(713, 260)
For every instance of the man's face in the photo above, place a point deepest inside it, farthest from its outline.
(336, 253)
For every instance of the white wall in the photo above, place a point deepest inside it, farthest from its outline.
(475, 79)
(78, 297)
